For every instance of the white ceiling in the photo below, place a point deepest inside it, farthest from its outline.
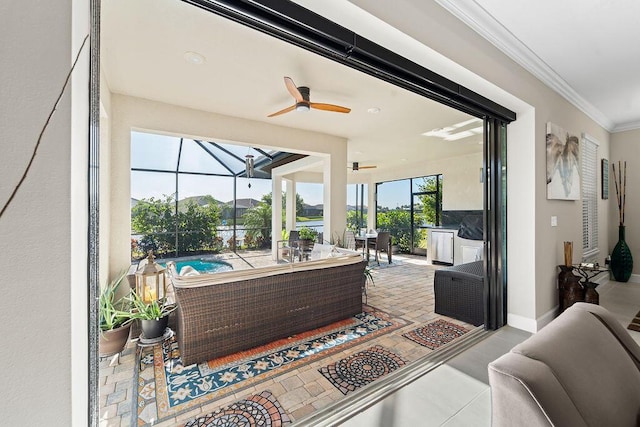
(585, 50)
(142, 55)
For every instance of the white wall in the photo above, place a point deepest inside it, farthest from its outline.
(105, 180)
(625, 147)
(43, 243)
(129, 113)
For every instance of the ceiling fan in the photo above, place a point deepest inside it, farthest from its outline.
(356, 166)
(301, 96)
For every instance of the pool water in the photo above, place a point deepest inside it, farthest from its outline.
(204, 266)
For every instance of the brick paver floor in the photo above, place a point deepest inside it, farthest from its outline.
(405, 290)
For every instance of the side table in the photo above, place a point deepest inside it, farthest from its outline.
(588, 272)
(574, 288)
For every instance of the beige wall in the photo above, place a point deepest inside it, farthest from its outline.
(625, 147)
(461, 187)
(428, 23)
(129, 113)
(43, 232)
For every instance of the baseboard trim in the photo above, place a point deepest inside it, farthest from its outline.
(521, 322)
(546, 318)
(635, 278)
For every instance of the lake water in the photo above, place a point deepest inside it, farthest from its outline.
(226, 232)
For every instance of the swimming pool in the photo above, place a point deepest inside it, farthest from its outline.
(204, 266)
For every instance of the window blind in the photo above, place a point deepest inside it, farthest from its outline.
(589, 153)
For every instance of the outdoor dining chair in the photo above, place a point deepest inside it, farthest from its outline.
(382, 243)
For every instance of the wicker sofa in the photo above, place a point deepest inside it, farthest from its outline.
(458, 292)
(223, 313)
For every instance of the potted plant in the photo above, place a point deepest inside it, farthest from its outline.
(307, 233)
(153, 316)
(307, 237)
(115, 318)
(367, 277)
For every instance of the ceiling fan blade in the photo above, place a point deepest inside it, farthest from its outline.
(293, 89)
(355, 166)
(329, 107)
(286, 110)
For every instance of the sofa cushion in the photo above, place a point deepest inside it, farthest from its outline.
(321, 251)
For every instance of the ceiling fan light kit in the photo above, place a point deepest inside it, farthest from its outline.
(301, 96)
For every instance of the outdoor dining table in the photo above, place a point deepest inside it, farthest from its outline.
(364, 241)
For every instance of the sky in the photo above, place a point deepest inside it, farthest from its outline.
(160, 152)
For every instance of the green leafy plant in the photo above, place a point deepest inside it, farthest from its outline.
(307, 233)
(368, 276)
(156, 309)
(114, 312)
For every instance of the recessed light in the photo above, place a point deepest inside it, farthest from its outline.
(373, 110)
(194, 58)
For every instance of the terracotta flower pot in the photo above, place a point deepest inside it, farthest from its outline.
(114, 340)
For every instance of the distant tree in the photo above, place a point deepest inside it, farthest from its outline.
(353, 220)
(268, 198)
(156, 220)
(431, 203)
(398, 223)
(197, 227)
(257, 222)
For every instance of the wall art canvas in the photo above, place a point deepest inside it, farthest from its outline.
(605, 179)
(563, 164)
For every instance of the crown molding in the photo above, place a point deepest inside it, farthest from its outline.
(482, 22)
(621, 127)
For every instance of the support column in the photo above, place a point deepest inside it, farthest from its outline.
(335, 195)
(276, 214)
(291, 205)
(371, 205)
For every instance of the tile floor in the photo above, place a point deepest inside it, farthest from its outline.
(454, 394)
(458, 393)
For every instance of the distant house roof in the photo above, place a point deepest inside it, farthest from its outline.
(244, 203)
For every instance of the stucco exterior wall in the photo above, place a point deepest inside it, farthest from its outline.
(43, 232)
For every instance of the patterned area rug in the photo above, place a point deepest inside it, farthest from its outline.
(635, 323)
(436, 334)
(164, 387)
(361, 368)
(258, 410)
(383, 262)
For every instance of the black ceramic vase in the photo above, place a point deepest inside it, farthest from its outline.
(621, 259)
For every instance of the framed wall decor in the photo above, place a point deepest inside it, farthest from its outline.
(605, 179)
(563, 164)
